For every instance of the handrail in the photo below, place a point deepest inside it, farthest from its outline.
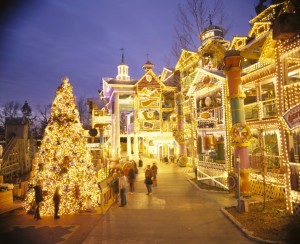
(106, 199)
(9, 145)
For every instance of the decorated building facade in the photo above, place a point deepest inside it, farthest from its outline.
(255, 111)
(140, 114)
(223, 107)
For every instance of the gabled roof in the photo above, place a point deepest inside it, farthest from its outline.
(253, 49)
(238, 42)
(168, 78)
(185, 56)
(170, 81)
(259, 29)
(265, 15)
(145, 78)
(166, 73)
(268, 50)
(198, 82)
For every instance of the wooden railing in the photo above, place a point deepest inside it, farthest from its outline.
(11, 143)
(106, 199)
(261, 110)
(10, 158)
(273, 163)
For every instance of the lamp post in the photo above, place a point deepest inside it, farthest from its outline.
(237, 160)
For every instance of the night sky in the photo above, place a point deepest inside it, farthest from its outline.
(42, 41)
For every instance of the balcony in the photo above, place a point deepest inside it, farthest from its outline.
(210, 117)
(102, 120)
(261, 110)
(252, 111)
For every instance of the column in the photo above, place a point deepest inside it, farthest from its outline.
(115, 129)
(101, 131)
(179, 136)
(240, 132)
(136, 146)
(129, 146)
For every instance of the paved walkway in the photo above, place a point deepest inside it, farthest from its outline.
(176, 212)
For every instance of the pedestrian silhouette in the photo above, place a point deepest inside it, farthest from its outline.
(131, 179)
(122, 187)
(56, 200)
(148, 180)
(38, 194)
(154, 169)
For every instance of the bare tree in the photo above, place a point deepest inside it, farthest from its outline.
(43, 116)
(192, 18)
(10, 109)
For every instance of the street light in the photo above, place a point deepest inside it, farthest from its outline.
(237, 160)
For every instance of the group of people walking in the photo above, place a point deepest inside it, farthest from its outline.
(120, 181)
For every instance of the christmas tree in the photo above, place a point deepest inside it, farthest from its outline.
(64, 160)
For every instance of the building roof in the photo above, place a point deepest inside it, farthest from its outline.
(121, 82)
(16, 121)
(170, 81)
(97, 101)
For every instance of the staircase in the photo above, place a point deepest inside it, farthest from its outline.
(9, 161)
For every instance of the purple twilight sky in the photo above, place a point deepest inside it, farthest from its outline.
(42, 41)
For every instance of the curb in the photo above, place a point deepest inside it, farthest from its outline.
(246, 232)
(11, 209)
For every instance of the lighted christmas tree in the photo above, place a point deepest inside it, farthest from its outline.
(64, 160)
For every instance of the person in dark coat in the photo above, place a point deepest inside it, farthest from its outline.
(154, 169)
(114, 184)
(38, 194)
(140, 162)
(148, 180)
(56, 200)
(131, 179)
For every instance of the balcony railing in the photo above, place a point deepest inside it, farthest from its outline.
(168, 127)
(102, 120)
(272, 163)
(252, 111)
(269, 108)
(261, 110)
(217, 117)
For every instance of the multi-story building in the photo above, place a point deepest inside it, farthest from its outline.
(269, 83)
(146, 113)
(141, 114)
(202, 82)
(15, 158)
